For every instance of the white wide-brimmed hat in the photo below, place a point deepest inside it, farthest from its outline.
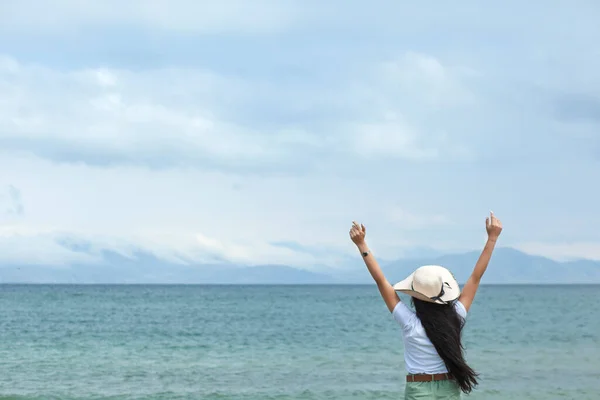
(431, 283)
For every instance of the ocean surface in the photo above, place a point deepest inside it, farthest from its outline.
(280, 342)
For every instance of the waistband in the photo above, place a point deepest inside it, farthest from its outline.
(428, 377)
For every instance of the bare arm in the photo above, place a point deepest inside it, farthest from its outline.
(494, 227)
(389, 295)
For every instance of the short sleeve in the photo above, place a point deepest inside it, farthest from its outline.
(404, 315)
(460, 309)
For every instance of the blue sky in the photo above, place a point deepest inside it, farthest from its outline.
(256, 132)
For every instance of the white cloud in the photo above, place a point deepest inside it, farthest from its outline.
(180, 215)
(11, 203)
(190, 215)
(20, 246)
(58, 248)
(116, 116)
(166, 117)
(185, 16)
(424, 78)
(404, 98)
(394, 138)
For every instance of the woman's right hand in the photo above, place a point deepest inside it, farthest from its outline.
(357, 233)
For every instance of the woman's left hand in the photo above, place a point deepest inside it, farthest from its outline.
(357, 233)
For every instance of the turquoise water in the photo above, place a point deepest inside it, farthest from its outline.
(280, 342)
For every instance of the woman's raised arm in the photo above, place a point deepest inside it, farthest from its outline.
(493, 227)
(357, 234)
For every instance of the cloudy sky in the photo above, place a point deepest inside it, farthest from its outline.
(256, 131)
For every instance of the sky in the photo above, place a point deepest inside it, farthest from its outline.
(255, 132)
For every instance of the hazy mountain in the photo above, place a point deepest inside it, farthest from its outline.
(507, 266)
(148, 269)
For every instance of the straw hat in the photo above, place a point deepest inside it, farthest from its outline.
(431, 283)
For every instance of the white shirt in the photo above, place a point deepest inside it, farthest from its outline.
(420, 355)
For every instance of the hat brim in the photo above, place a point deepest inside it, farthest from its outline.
(451, 294)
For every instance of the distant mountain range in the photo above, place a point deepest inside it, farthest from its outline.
(508, 266)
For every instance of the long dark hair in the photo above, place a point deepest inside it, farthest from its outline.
(443, 327)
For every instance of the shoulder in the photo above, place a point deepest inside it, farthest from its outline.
(404, 315)
(460, 309)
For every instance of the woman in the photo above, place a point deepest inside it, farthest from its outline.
(433, 351)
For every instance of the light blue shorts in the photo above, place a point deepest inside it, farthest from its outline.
(438, 390)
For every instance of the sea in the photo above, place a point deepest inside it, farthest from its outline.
(280, 342)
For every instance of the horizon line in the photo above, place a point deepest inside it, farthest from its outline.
(270, 284)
